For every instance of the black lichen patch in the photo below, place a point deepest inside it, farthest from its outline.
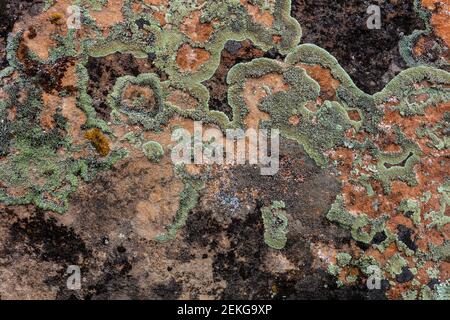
(297, 177)
(48, 76)
(48, 240)
(320, 285)
(371, 57)
(241, 265)
(405, 236)
(433, 283)
(103, 73)
(363, 246)
(115, 281)
(379, 237)
(170, 290)
(405, 276)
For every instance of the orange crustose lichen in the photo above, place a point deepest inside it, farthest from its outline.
(98, 141)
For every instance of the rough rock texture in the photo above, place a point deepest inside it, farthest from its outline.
(87, 179)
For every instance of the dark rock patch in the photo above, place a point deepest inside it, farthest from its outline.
(47, 240)
(371, 57)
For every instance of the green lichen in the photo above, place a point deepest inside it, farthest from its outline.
(188, 200)
(317, 132)
(395, 264)
(443, 291)
(151, 116)
(408, 42)
(153, 151)
(334, 270)
(46, 167)
(275, 225)
(440, 219)
(84, 101)
(410, 295)
(411, 208)
(343, 259)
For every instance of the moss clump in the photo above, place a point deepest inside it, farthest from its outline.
(99, 141)
(275, 225)
(153, 151)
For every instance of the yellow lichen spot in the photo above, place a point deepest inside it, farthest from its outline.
(98, 141)
(274, 289)
(55, 18)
